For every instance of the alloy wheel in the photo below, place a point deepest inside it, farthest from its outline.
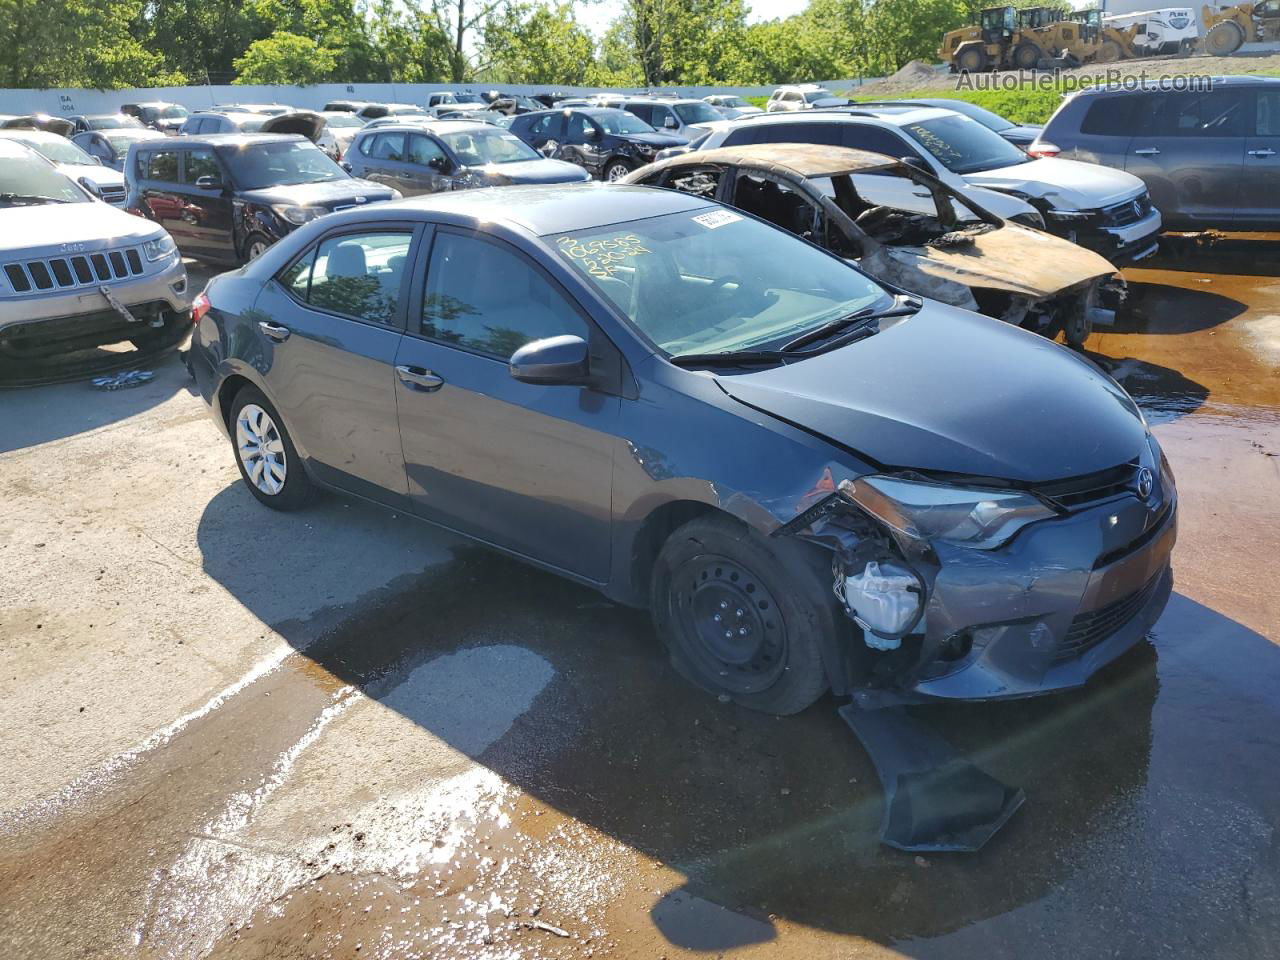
(261, 449)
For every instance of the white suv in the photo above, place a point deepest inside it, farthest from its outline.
(804, 96)
(77, 273)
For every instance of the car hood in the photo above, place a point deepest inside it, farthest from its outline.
(1066, 184)
(60, 228)
(100, 175)
(308, 124)
(322, 194)
(1022, 135)
(529, 171)
(657, 139)
(953, 392)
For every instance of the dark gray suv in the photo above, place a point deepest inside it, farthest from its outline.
(1210, 158)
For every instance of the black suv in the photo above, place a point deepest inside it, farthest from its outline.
(1211, 157)
(608, 144)
(227, 197)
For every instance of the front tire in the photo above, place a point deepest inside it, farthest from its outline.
(615, 170)
(255, 245)
(269, 463)
(743, 616)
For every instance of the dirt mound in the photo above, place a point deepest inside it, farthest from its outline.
(917, 71)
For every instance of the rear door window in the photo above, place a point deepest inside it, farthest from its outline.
(642, 110)
(160, 165)
(357, 275)
(1113, 116)
(387, 146)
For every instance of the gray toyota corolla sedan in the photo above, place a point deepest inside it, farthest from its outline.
(813, 481)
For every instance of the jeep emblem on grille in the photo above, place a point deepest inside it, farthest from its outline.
(1146, 483)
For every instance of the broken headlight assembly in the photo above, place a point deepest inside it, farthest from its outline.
(930, 512)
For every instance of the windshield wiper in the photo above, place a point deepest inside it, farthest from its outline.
(30, 198)
(728, 358)
(861, 319)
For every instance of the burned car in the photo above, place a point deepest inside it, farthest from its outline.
(958, 252)
(812, 480)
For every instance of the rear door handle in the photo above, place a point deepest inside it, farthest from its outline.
(1147, 152)
(1264, 152)
(273, 330)
(415, 378)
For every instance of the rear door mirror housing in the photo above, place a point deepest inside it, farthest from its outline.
(554, 361)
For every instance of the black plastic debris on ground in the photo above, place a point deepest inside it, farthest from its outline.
(123, 380)
(934, 799)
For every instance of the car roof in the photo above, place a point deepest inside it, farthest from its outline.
(542, 209)
(237, 115)
(429, 125)
(1153, 86)
(233, 139)
(896, 116)
(805, 160)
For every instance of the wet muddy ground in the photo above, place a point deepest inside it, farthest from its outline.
(230, 733)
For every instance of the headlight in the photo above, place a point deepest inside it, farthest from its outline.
(969, 517)
(645, 150)
(1070, 214)
(159, 248)
(299, 215)
(1031, 218)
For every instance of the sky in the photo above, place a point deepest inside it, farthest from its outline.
(597, 16)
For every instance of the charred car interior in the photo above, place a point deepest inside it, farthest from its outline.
(959, 253)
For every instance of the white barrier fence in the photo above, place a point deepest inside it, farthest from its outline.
(68, 102)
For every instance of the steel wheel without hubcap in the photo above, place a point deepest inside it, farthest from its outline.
(741, 639)
(261, 449)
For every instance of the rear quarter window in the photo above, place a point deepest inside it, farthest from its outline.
(1110, 116)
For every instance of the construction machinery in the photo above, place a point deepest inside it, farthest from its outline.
(1229, 28)
(1009, 39)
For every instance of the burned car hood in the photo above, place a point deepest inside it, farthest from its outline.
(1011, 257)
(528, 171)
(954, 392)
(1068, 184)
(304, 122)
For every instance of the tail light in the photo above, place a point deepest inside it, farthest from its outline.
(1043, 148)
(199, 307)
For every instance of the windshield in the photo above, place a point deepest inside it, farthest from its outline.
(342, 120)
(174, 112)
(963, 145)
(467, 98)
(26, 180)
(992, 121)
(280, 164)
(120, 141)
(733, 102)
(813, 96)
(621, 122)
(477, 147)
(739, 284)
(696, 112)
(57, 150)
(117, 122)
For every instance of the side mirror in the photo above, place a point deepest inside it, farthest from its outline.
(96, 160)
(917, 163)
(208, 182)
(669, 123)
(555, 361)
(93, 188)
(440, 164)
(345, 166)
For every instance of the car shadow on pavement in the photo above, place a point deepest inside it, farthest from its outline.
(1246, 255)
(777, 819)
(1163, 394)
(1162, 308)
(36, 415)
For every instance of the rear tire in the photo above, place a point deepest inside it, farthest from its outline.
(743, 616)
(972, 60)
(1110, 52)
(1223, 39)
(269, 463)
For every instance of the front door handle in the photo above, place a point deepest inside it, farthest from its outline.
(273, 330)
(1264, 152)
(1147, 152)
(415, 378)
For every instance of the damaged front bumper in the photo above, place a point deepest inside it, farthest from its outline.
(1040, 614)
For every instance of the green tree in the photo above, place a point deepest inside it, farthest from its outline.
(536, 44)
(286, 58)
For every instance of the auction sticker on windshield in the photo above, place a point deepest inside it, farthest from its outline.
(717, 218)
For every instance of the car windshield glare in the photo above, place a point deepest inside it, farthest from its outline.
(58, 150)
(617, 122)
(963, 145)
(112, 123)
(174, 112)
(25, 181)
(813, 96)
(711, 280)
(696, 112)
(258, 165)
(476, 148)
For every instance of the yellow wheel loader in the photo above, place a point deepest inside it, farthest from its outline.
(1227, 29)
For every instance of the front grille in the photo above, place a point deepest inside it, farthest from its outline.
(1091, 488)
(1090, 629)
(64, 273)
(1126, 212)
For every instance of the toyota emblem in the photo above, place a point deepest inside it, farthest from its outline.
(1146, 482)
